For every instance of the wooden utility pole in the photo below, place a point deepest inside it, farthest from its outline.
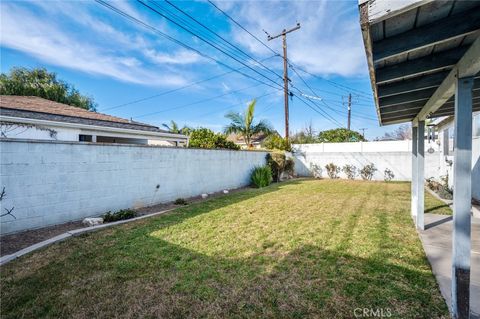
(363, 131)
(283, 34)
(349, 110)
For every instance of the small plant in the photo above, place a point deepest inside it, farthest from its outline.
(442, 189)
(120, 215)
(367, 171)
(332, 170)
(8, 211)
(350, 171)
(316, 170)
(261, 176)
(180, 201)
(388, 175)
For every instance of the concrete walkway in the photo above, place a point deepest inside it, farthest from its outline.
(437, 242)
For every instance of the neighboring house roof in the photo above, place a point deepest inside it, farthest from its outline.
(33, 107)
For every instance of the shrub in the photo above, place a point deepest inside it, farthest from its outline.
(367, 171)
(180, 201)
(332, 170)
(441, 189)
(120, 215)
(276, 162)
(350, 171)
(316, 170)
(206, 138)
(289, 166)
(261, 176)
(388, 175)
(276, 142)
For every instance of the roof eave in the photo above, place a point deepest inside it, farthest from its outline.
(367, 42)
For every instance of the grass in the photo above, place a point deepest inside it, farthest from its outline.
(308, 248)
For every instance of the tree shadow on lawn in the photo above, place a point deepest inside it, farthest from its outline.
(128, 272)
(181, 283)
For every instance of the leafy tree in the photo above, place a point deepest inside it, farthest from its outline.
(340, 135)
(243, 124)
(276, 142)
(40, 82)
(206, 138)
(174, 128)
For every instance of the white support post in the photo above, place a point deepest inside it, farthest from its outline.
(414, 173)
(462, 198)
(420, 175)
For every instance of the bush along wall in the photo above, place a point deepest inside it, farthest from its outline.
(279, 164)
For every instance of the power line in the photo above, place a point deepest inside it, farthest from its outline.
(222, 38)
(156, 31)
(197, 102)
(310, 88)
(176, 89)
(273, 51)
(321, 99)
(341, 86)
(204, 40)
(318, 110)
(244, 29)
(232, 106)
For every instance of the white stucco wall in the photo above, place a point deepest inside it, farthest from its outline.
(51, 182)
(42, 133)
(394, 155)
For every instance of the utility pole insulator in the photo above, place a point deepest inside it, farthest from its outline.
(283, 34)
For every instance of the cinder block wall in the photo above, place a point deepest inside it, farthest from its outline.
(394, 155)
(49, 182)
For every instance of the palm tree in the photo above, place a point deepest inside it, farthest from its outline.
(243, 125)
(172, 128)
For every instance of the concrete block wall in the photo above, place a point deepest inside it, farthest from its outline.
(394, 155)
(51, 182)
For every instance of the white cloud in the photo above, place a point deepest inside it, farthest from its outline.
(105, 51)
(178, 57)
(328, 43)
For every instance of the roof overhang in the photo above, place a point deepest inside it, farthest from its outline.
(415, 51)
(95, 128)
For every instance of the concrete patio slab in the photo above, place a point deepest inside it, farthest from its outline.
(437, 243)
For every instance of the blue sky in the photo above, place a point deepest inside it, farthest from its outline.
(117, 61)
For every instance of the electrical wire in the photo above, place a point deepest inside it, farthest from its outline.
(223, 39)
(176, 89)
(197, 102)
(234, 105)
(156, 31)
(205, 40)
(273, 51)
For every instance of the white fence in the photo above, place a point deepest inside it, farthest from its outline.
(393, 155)
(49, 182)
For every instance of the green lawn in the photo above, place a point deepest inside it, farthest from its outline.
(305, 248)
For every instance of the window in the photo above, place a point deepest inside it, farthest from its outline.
(84, 138)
